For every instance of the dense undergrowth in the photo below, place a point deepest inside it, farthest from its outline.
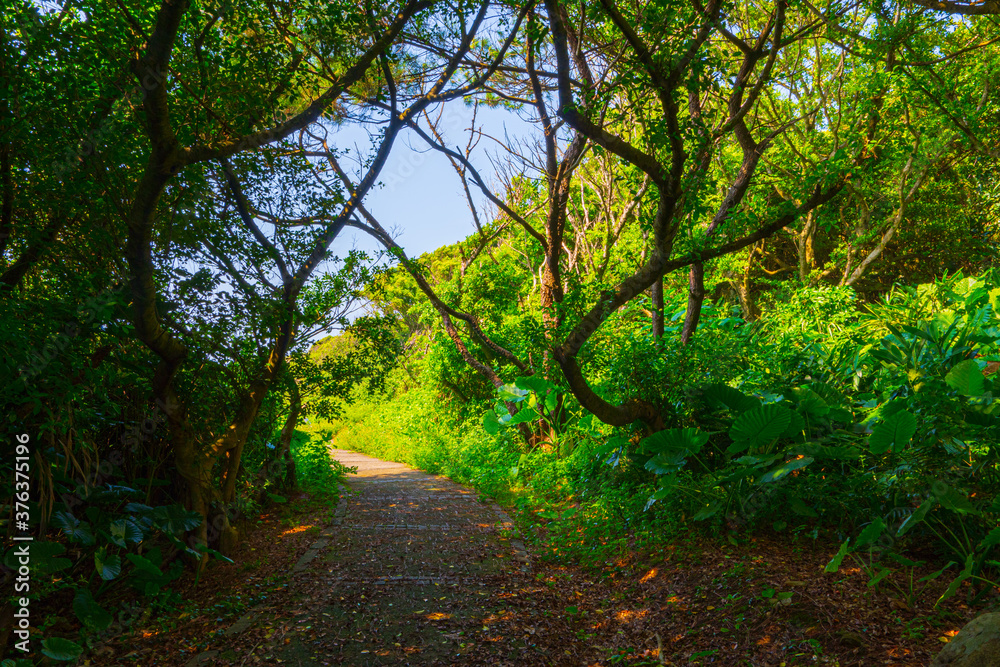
(870, 424)
(114, 564)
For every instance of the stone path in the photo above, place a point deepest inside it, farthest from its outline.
(412, 572)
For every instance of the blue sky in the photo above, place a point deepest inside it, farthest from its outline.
(421, 201)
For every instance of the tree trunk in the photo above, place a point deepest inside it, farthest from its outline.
(285, 443)
(806, 252)
(745, 288)
(696, 298)
(657, 294)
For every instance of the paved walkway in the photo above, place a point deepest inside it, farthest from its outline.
(412, 572)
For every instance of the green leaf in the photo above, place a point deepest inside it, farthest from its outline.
(175, 519)
(966, 378)
(44, 558)
(667, 463)
(214, 554)
(962, 576)
(707, 511)
(509, 392)
(761, 425)
(810, 402)
(882, 574)
(108, 567)
(73, 528)
(660, 494)
(490, 422)
(732, 399)
(895, 432)
(795, 426)
(124, 531)
(833, 396)
(275, 498)
(800, 508)
(138, 508)
(675, 439)
(870, 533)
(767, 593)
(903, 560)
(915, 518)
(534, 383)
(612, 444)
(935, 575)
(58, 648)
(834, 564)
(785, 468)
(523, 416)
(992, 539)
(144, 565)
(952, 499)
(90, 613)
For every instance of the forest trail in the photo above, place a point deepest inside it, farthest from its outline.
(412, 561)
(418, 570)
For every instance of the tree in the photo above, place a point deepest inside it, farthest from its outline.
(202, 100)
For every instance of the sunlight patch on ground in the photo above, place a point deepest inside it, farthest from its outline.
(627, 615)
(649, 575)
(297, 529)
(437, 616)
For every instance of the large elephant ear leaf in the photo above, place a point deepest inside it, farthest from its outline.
(784, 469)
(91, 614)
(674, 439)
(833, 396)
(810, 402)
(952, 499)
(539, 385)
(44, 558)
(108, 567)
(61, 649)
(73, 528)
(144, 565)
(966, 378)
(895, 431)
(509, 392)
(991, 540)
(490, 422)
(760, 426)
(123, 531)
(734, 400)
(175, 519)
(795, 426)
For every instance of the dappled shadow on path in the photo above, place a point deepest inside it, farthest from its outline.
(421, 571)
